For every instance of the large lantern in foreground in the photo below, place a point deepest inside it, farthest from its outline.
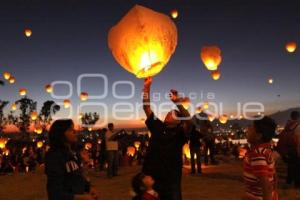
(291, 47)
(143, 41)
(211, 57)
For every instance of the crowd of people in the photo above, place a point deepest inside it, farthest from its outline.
(66, 156)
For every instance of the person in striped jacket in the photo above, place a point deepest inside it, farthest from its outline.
(259, 163)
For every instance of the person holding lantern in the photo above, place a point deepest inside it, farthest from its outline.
(65, 179)
(163, 160)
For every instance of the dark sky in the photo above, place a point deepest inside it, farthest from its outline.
(70, 38)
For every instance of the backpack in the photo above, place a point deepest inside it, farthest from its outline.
(287, 145)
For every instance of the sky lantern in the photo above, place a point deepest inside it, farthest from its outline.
(88, 146)
(80, 116)
(270, 81)
(2, 143)
(38, 130)
(215, 75)
(84, 96)
(211, 57)
(186, 102)
(223, 119)
(39, 144)
(291, 47)
(28, 32)
(34, 115)
(67, 103)
(131, 151)
(174, 14)
(143, 41)
(211, 118)
(49, 88)
(90, 129)
(6, 75)
(22, 92)
(12, 80)
(137, 144)
(13, 106)
(205, 105)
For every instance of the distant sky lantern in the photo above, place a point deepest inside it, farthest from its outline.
(6, 75)
(205, 105)
(49, 88)
(131, 151)
(28, 32)
(291, 47)
(22, 92)
(174, 14)
(270, 81)
(34, 115)
(223, 119)
(67, 103)
(215, 75)
(137, 144)
(13, 106)
(186, 102)
(38, 130)
(211, 57)
(12, 80)
(143, 41)
(39, 144)
(211, 118)
(84, 96)
(90, 129)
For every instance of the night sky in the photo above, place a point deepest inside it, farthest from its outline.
(70, 38)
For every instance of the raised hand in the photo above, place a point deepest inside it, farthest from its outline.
(147, 82)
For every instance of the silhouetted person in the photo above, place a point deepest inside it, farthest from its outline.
(195, 146)
(112, 149)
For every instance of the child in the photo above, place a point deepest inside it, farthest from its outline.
(259, 164)
(142, 186)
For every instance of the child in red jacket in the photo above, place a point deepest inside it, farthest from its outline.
(143, 187)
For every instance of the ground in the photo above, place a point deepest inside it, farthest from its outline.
(218, 182)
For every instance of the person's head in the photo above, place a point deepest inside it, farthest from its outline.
(261, 131)
(172, 118)
(62, 133)
(110, 126)
(295, 115)
(141, 183)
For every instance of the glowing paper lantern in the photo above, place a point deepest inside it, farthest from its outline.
(90, 129)
(216, 75)
(143, 41)
(49, 88)
(80, 115)
(12, 80)
(39, 144)
(67, 103)
(2, 143)
(211, 118)
(291, 47)
(28, 32)
(131, 151)
(6, 75)
(185, 102)
(84, 96)
(205, 105)
(211, 57)
(137, 144)
(88, 146)
(242, 152)
(13, 106)
(99, 141)
(38, 130)
(223, 119)
(174, 14)
(270, 81)
(22, 92)
(34, 115)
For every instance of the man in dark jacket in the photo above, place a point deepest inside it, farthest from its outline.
(195, 146)
(163, 159)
